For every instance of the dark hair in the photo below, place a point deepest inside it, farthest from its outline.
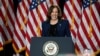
(50, 11)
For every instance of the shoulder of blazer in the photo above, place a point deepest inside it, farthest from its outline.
(45, 24)
(63, 22)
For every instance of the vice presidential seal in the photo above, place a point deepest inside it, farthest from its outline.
(50, 48)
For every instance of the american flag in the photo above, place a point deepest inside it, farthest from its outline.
(37, 14)
(72, 12)
(7, 19)
(89, 28)
(52, 2)
(19, 42)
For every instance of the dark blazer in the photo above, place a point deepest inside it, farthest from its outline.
(62, 28)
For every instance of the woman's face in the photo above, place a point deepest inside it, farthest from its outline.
(54, 13)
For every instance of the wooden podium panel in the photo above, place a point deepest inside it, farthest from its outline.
(65, 45)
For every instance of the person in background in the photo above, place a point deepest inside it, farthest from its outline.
(55, 26)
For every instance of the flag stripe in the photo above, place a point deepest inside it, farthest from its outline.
(30, 26)
(11, 12)
(83, 36)
(7, 33)
(76, 9)
(29, 34)
(91, 23)
(79, 45)
(95, 18)
(73, 13)
(86, 33)
(18, 35)
(20, 26)
(8, 19)
(94, 27)
(81, 40)
(3, 32)
(20, 12)
(20, 21)
(41, 12)
(69, 12)
(7, 11)
(96, 22)
(17, 43)
(34, 19)
(25, 4)
(35, 22)
(44, 8)
(11, 5)
(39, 15)
(79, 2)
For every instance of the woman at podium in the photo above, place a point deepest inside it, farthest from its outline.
(54, 25)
